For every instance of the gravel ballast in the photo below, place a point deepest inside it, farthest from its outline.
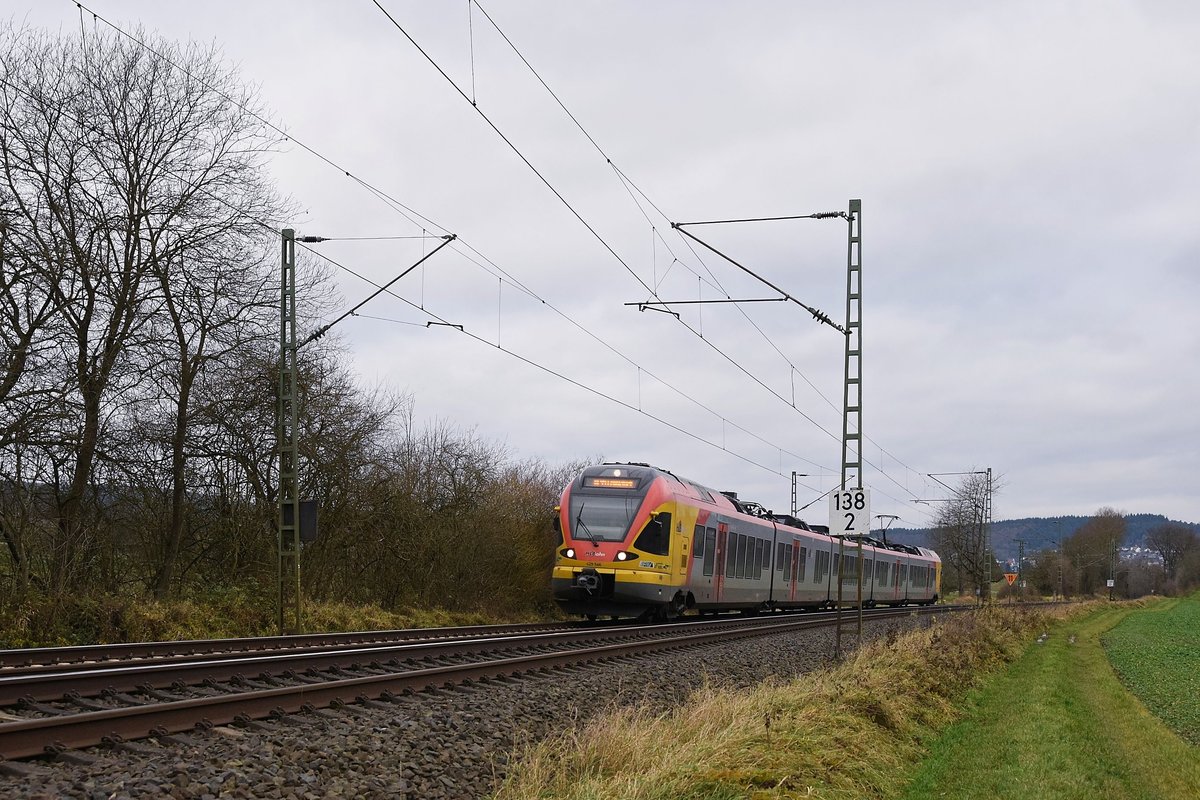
(446, 745)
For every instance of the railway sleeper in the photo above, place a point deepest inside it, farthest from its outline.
(375, 669)
(158, 694)
(121, 697)
(219, 686)
(69, 756)
(117, 742)
(174, 739)
(288, 719)
(86, 703)
(20, 769)
(322, 713)
(29, 704)
(245, 722)
(321, 674)
(367, 702)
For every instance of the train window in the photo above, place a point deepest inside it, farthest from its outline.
(710, 550)
(656, 536)
(787, 562)
(603, 518)
(739, 552)
(881, 572)
(760, 548)
(698, 542)
(904, 574)
(779, 556)
(800, 569)
(730, 553)
(868, 566)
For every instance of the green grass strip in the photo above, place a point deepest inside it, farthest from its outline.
(1059, 724)
(1156, 653)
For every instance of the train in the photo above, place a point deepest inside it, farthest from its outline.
(640, 541)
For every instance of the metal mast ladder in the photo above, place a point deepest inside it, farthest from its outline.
(288, 498)
(851, 414)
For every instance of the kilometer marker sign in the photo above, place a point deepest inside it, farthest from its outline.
(850, 512)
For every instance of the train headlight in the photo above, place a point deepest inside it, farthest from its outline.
(569, 552)
(621, 556)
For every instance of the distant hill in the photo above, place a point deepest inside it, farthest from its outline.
(1039, 533)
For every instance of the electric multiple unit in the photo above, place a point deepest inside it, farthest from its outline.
(638, 541)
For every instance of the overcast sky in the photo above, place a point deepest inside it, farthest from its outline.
(1030, 183)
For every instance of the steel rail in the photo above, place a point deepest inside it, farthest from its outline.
(49, 683)
(32, 737)
(30, 656)
(52, 681)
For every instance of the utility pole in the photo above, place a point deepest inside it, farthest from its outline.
(852, 403)
(1112, 556)
(288, 496)
(286, 414)
(1061, 589)
(1020, 564)
(795, 475)
(989, 560)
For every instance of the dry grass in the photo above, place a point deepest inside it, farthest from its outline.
(101, 619)
(843, 733)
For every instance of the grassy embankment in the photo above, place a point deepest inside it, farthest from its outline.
(911, 718)
(1059, 724)
(100, 620)
(852, 731)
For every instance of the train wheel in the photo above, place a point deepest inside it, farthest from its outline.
(676, 607)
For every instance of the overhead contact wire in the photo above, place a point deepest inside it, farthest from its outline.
(410, 213)
(515, 149)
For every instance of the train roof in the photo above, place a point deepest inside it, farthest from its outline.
(732, 502)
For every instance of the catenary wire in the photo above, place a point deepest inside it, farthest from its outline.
(406, 211)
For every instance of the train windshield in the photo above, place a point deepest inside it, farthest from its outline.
(602, 518)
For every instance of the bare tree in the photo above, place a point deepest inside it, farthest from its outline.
(960, 534)
(1173, 542)
(137, 187)
(1092, 552)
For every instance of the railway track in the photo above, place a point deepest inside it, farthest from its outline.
(137, 651)
(48, 708)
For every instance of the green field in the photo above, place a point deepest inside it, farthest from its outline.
(1157, 656)
(1059, 723)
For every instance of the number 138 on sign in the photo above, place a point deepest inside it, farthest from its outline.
(850, 512)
